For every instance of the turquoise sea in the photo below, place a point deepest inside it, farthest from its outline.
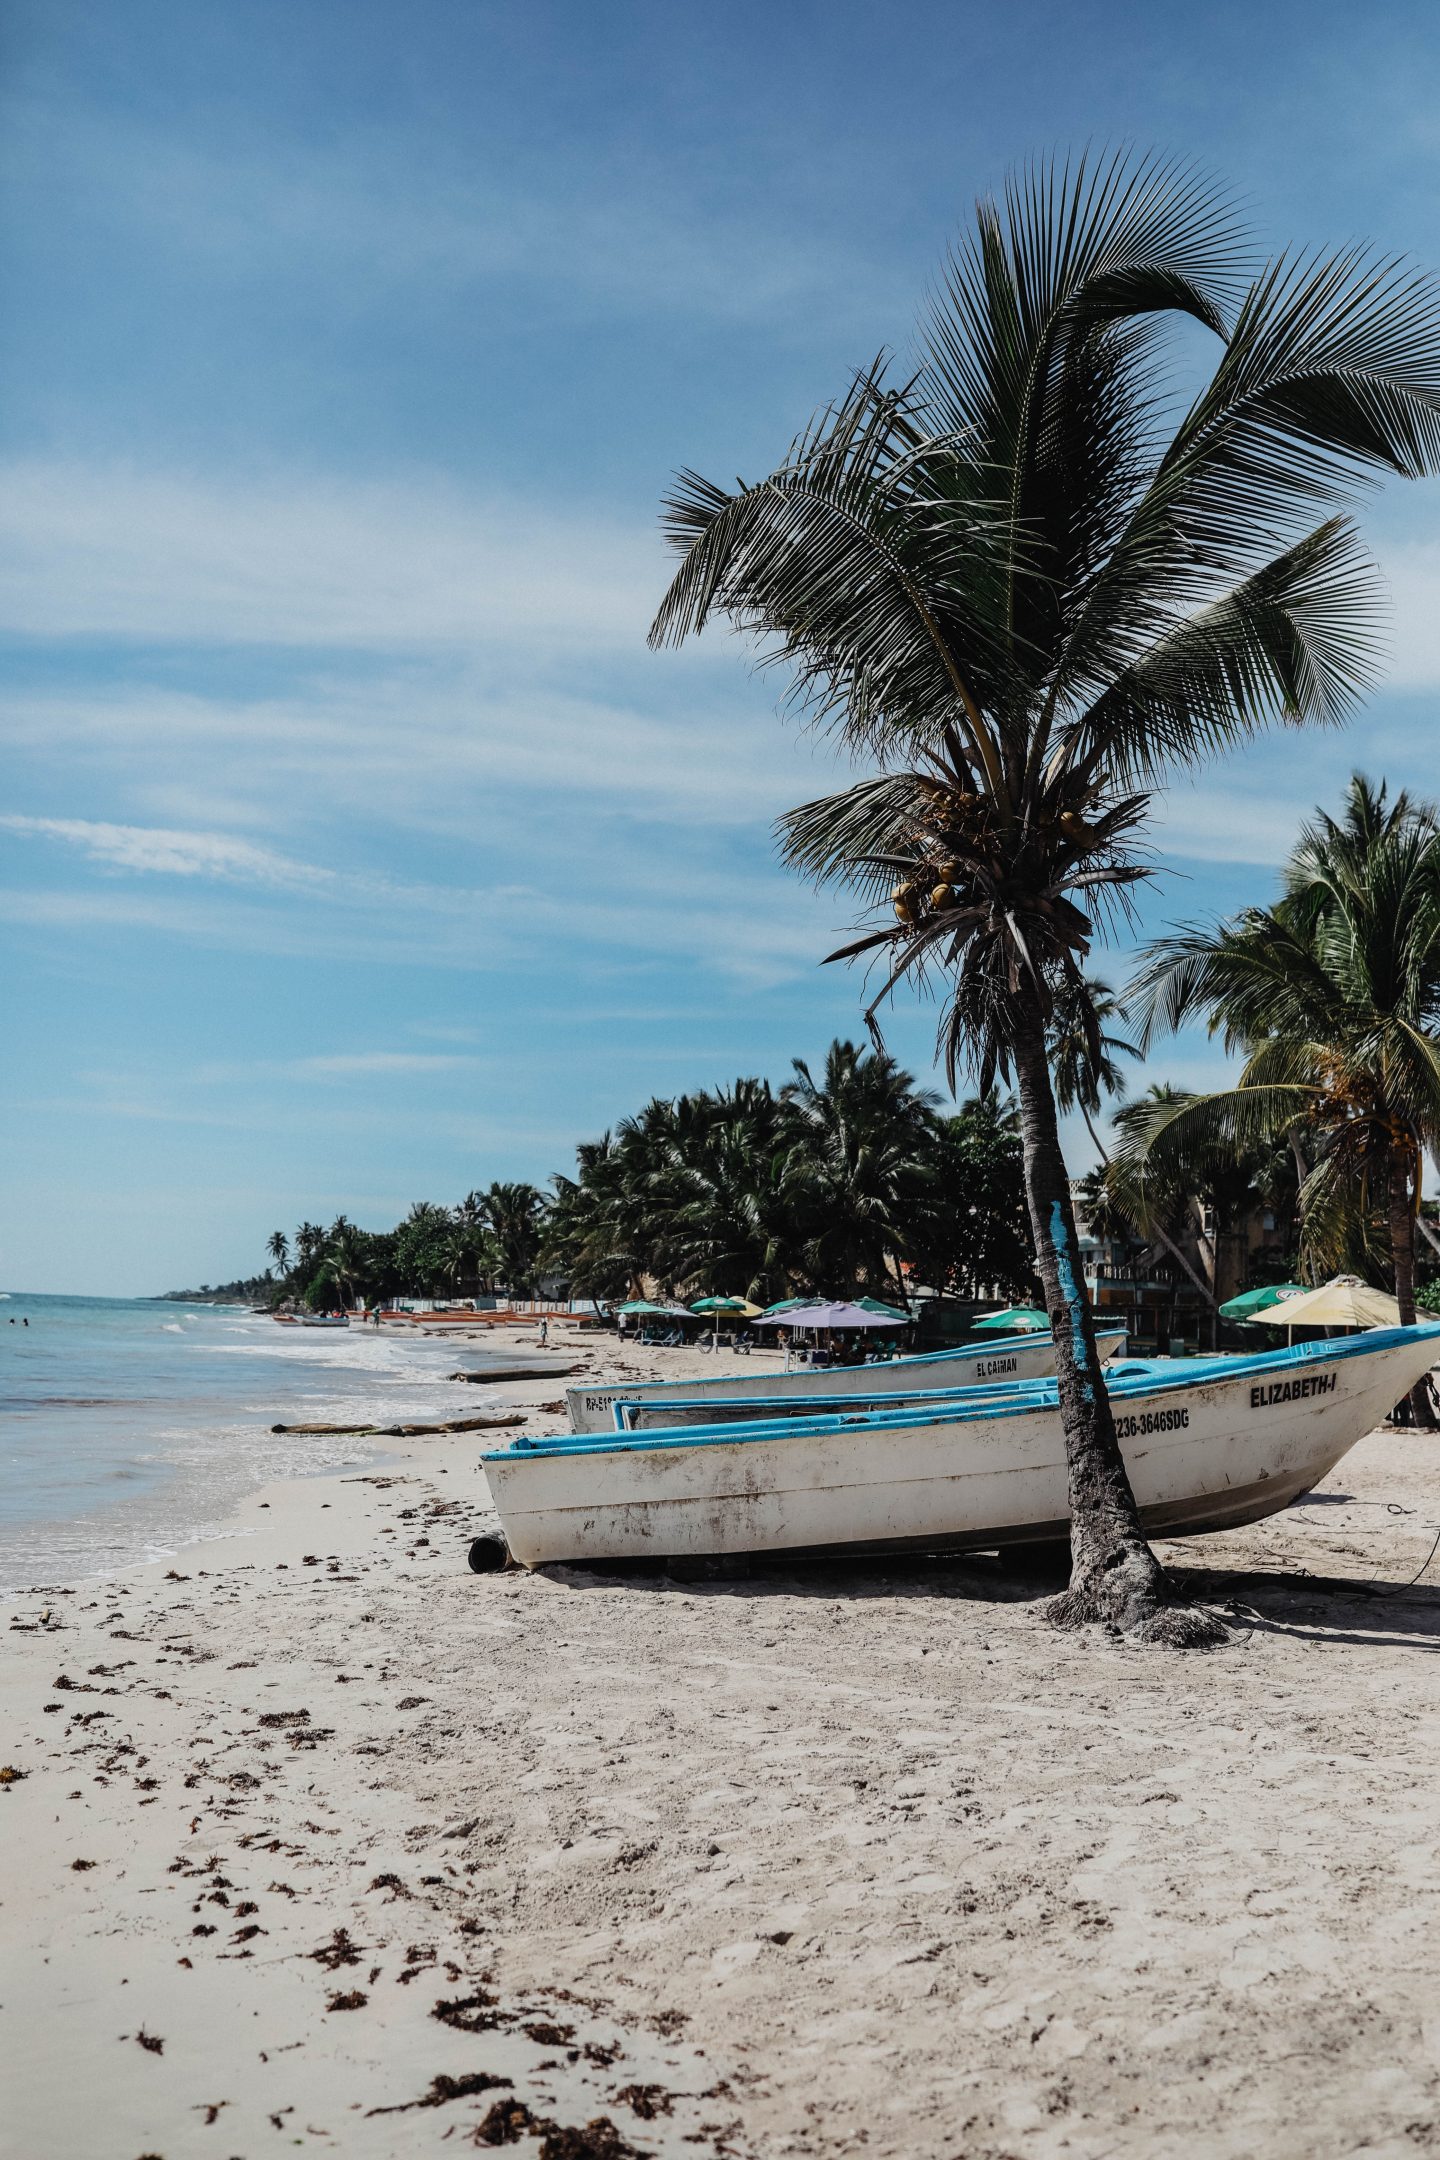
(129, 1426)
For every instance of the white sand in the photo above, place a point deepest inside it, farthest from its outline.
(834, 1860)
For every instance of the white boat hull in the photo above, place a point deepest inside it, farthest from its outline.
(1205, 1453)
(1013, 1357)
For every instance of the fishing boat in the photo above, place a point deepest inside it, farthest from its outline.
(1209, 1443)
(326, 1319)
(1010, 1357)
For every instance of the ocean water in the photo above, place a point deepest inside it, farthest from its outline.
(129, 1427)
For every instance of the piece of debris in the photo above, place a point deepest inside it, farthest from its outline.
(507, 2122)
(469, 2013)
(444, 2087)
(355, 2000)
(340, 1950)
(646, 2101)
(596, 2140)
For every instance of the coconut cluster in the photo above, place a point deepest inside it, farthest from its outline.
(957, 845)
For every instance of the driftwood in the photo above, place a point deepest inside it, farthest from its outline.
(409, 1432)
(519, 1372)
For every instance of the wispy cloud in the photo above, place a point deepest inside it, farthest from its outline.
(120, 552)
(761, 935)
(169, 853)
(431, 745)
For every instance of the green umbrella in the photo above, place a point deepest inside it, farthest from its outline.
(792, 1304)
(647, 1305)
(891, 1312)
(1251, 1302)
(1015, 1320)
(727, 1304)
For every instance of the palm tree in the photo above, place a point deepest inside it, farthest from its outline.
(343, 1257)
(588, 1235)
(863, 1152)
(1162, 1193)
(1083, 1066)
(278, 1247)
(1083, 1058)
(718, 1198)
(515, 1216)
(1002, 584)
(1333, 997)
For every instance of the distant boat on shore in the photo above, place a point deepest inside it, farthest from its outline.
(1011, 1357)
(287, 1319)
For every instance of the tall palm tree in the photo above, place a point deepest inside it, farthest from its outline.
(343, 1257)
(1003, 584)
(278, 1247)
(1333, 997)
(309, 1242)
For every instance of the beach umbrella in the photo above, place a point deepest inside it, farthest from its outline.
(741, 1308)
(840, 1315)
(1252, 1303)
(1344, 1301)
(891, 1312)
(648, 1306)
(1015, 1320)
(790, 1304)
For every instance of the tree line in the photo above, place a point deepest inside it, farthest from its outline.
(846, 1181)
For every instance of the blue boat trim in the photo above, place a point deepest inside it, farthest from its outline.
(756, 1406)
(1125, 1380)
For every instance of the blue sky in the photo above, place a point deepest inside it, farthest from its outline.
(355, 849)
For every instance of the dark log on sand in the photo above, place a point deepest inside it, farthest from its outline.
(519, 1372)
(409, 1432)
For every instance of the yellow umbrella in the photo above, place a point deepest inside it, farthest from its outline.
(1343, 1302)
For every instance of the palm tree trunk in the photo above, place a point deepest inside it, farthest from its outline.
(1402, 1252)
(1114, 1576)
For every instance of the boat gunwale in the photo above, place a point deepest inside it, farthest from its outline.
(1020, 1398)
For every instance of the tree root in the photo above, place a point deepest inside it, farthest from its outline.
(1132, 1597)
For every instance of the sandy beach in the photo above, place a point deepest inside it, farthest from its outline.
(319, 1841)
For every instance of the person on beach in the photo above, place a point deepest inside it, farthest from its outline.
(544, 1333)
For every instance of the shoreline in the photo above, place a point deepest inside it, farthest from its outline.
(836, 1860)
(155, 1503)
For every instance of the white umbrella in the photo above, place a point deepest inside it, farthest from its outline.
(1345, 1301)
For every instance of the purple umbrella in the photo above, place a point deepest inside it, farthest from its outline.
(830, 1316)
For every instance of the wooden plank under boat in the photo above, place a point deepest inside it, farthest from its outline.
(1210, 1443)
(1011, 1357)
